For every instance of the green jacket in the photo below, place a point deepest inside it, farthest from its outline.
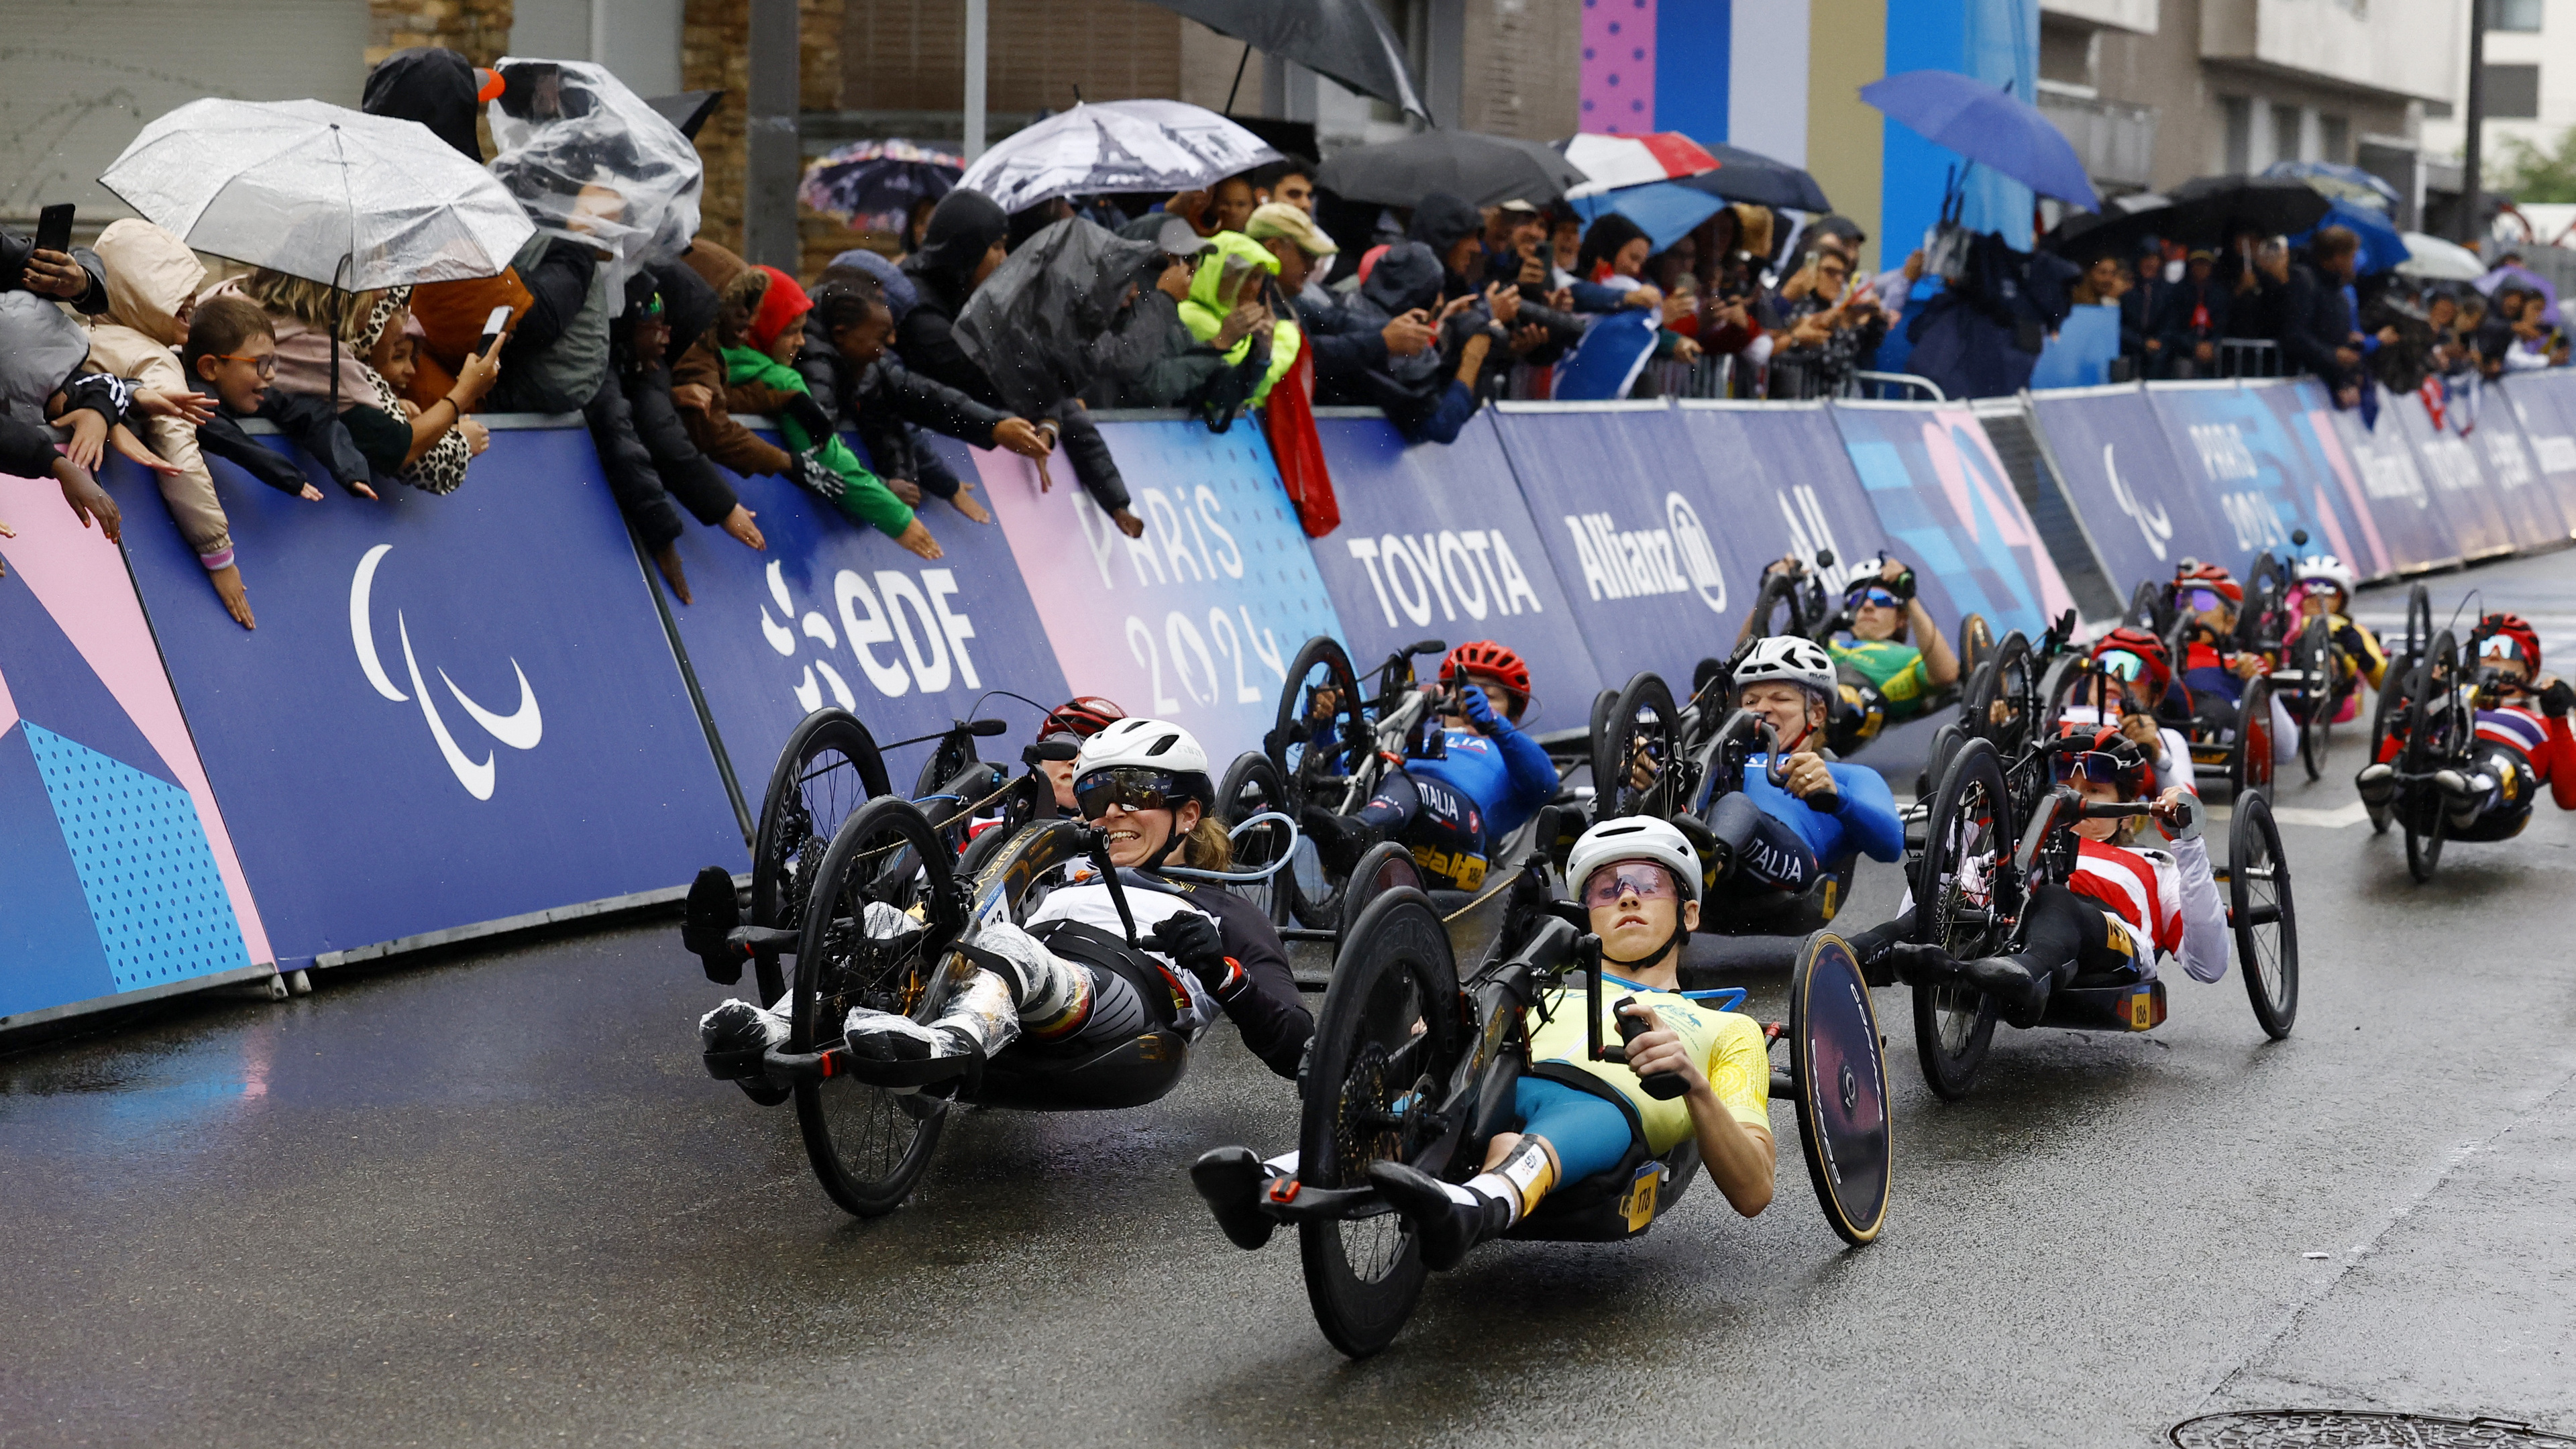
(1204, 317)
(864, 497)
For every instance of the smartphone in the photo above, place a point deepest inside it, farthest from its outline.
(54, 228)
(493, 327)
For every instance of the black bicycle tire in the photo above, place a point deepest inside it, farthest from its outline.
(2254, 826)
(1615, 734)
(2315, 657)
(1776, 590)
(2250, 768)
(1815, 1138)
(1399, 932)
(827, 728)
(1251, 785)
(1976, 641)
(1949, 1073)
(814, 1024)
(2146, 601)
(2424, 847)
(1289, 728)
(2419, 605)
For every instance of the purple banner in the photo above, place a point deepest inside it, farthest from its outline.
(1944, 500)
(2460, 490)
(2328, 476)
(2256, 481)
(2123, 481)
(2544, 403)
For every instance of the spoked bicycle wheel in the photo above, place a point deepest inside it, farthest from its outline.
(829, 767)
(1634, 752)
(2259, 912)
(869, 1145)
(1251, 786)
(1968, 835)
(2434, 735)
(1997, 704)
(1841, 1079)
(1385, 1041)
(1316, 744)
(2250, 763)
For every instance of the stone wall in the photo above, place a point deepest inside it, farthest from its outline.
(714, 55)
(479, 28)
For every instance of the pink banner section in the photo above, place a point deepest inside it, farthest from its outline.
(1618, 71)
(81, 580)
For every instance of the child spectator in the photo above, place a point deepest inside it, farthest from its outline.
(232, 350)
(761, 327)
(441, 439)
(698, 389)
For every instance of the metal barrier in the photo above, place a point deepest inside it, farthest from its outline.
(2252, 357)
(1893, 387)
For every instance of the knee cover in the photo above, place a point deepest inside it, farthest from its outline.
(1052, 998)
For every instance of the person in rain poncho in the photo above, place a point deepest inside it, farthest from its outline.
(1154, 360)
(1228, 285)
(961, 250)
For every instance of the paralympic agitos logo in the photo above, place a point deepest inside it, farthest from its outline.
(520, 729)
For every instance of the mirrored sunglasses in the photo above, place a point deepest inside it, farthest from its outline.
(2499, 646)
(2203, 598)
(2121, 664)
(1883, 598)
(2095, 765)
(1133, 786)
(1637, 878)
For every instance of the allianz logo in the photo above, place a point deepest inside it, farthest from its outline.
(2512, 465)
(2223, 453)
(1472, 570)
(2454, 466)
(2389, 472)
(1632, 563)
(900, 630)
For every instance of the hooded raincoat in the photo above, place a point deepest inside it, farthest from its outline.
(1204, 313)
(150, 276)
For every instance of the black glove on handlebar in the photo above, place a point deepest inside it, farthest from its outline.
(2557, 699)
(1194, 942)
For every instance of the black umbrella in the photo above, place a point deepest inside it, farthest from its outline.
(1749, 176)
(1343, 39)
(2209, 211)
(687, 110)
(1484, 170)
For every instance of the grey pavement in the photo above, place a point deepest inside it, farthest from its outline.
(496, 1201)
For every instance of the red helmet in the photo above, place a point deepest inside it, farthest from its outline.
(2147, 647)
(2526, 640)
(2195, 572)
(2108, 757)
(1487, 657)
(1081, 717)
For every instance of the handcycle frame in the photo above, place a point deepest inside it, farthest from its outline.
(1994, 833)
(1442, 1092)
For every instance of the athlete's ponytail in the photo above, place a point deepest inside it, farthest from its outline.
(1208, 846)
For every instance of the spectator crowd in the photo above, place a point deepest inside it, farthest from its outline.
(1009, 330)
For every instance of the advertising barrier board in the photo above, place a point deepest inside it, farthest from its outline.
(1436, 542)
(2544, 404)
(2323, 471)
(2418, 535)
(1627, 531)
(1948, 507)
(2522, 491)
(1195, 621)
(1778, 477)
(119, 873)
(2460, 490)
(833, 612)
(2246, 473)
(2122, 479)
(455, 710)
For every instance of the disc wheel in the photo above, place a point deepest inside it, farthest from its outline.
(2260, 914)
(829, 767)
(2313, 655)
(1635, 752)
(1841, 1081)
(1968, 838)
(1385, 1038)
(1250, 787)
(870, 1145)
(1976, 641)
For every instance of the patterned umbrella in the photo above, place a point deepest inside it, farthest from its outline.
(1114, 147)
(1616, 161)
(877, 183)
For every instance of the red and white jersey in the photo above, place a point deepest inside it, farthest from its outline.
(2513, 725)
(2167, 901)
(2173, 752)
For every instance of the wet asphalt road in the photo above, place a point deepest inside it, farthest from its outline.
(496, 1201)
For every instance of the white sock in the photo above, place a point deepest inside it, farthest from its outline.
(1518, 1181)
(1284, 1165)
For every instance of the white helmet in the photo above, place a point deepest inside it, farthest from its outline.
(2325, 568)
(1152, 744)
(1635, 837)
(1864, 571)
(1786, 658)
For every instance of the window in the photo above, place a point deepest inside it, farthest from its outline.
(2285, 134)
(2240, 133)
(2513, 92)
(2437, 110)
(2517, 15)
(2334, 140)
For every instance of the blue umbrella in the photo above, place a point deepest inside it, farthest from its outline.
(1988, 125)
(1664, 210)
(2381, 246)
(2349, 183)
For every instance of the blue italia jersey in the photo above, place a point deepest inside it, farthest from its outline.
(1508, 776)
(1865, 825)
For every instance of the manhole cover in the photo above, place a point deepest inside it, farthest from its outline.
(2352, 1429)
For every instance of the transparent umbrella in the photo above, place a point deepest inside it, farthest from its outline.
(321, 192)
(1116, 146)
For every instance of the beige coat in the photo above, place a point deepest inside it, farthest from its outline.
(150, 273)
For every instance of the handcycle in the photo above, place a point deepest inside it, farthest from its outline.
(1796, 600)
(2436, 707)
(1995, 833)
(2408, 653)
(2243, 755)
(1409, 1065)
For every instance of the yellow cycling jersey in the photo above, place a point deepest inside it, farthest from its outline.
(2361, 647)
(1728, 1046)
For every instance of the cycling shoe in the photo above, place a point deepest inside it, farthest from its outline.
(1916, 964)
(2377, 786)
(734, 1039)
(1231, 1179)
(1446, 1227)
(2023, 996)
(1340, 839)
